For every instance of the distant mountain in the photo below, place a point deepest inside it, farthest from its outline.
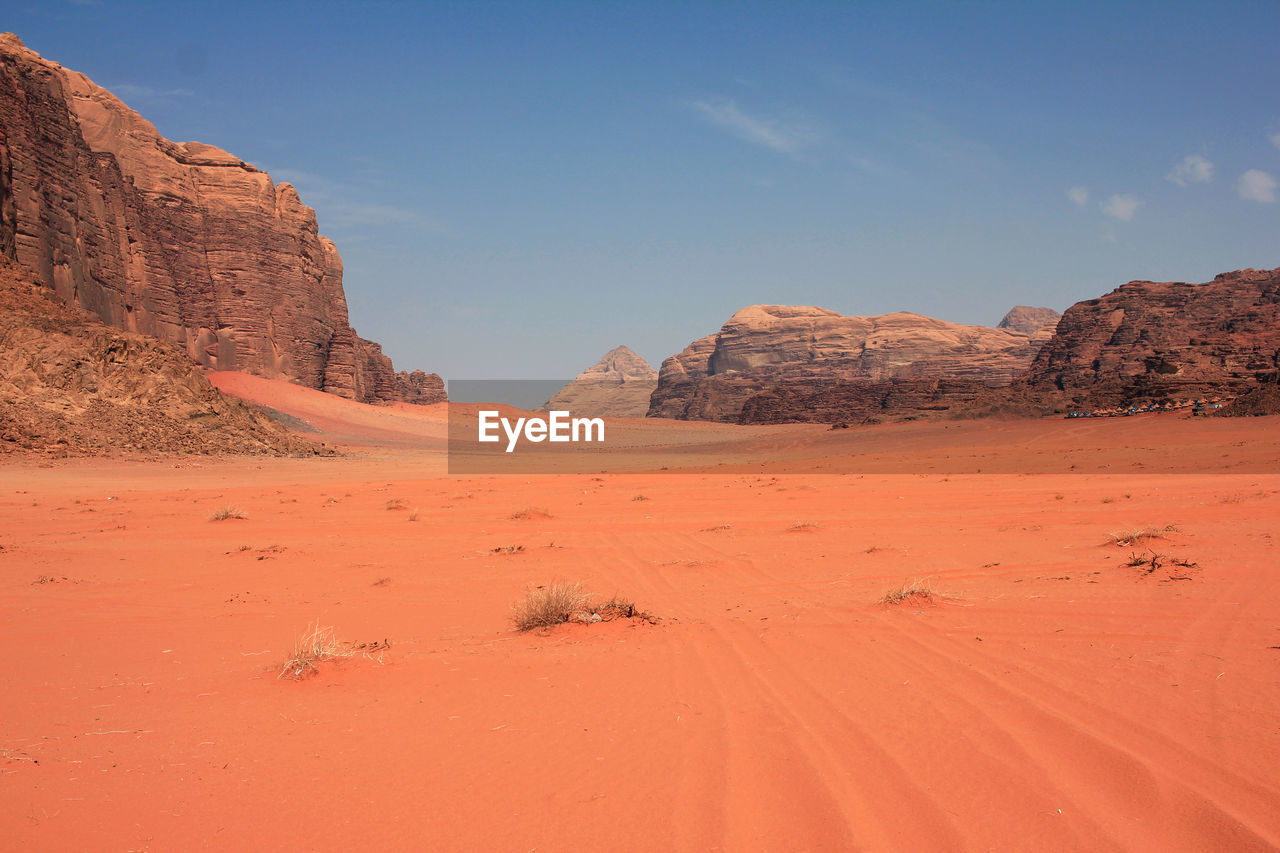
(804, 350)
(1030, 321)
(618, 385)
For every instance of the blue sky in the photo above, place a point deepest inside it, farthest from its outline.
(517, 188)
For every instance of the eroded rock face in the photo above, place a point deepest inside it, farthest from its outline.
(618, 386)
(70, 385)
(765, 347)
(1156, 339)
(181, 241)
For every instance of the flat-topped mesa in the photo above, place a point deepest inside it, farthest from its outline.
(1151, 340)
(618, 385)
(179, 240)
(763, 347)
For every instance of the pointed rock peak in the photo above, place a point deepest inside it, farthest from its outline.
(1028, 320)
(620, 363)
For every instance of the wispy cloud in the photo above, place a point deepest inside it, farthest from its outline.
(789, 138)
(1257, 185)
(132, 92)
(1078, 195)
(1121, 207)
(1192, 169)
(1275, 139)
(336, 206)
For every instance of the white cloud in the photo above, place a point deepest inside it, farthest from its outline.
(1079, 195)
(1121, 207)
(785, 138)
(1257, 185)
(1275, 139)
(1192, 169)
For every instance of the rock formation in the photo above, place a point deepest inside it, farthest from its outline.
(808, 350)
(618, 386)
(181, 241)
(1147, 341)
(1030, 321)
(71, 385)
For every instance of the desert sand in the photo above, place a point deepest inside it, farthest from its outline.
(1047, 695)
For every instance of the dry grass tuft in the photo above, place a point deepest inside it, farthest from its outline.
(533, 513)
(413, 516)
(1134, 535)
(547, 605)
(559, 602)
(322, 644)
(318, 644)
(915, 592)
(802, 527)
(228, 512)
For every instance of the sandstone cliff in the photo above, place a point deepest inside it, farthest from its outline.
(805, 349)
(181, 241)
(1151, 340)
(618, 386)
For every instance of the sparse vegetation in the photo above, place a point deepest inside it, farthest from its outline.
(533, 513)
(397, 503)
(318, 644)
(555, 603)
(413, 516)
(640, 498)
(803, 527)
(1134, 535)
(1152, 562)
(916, 592)
(321, 644)
(228, 512)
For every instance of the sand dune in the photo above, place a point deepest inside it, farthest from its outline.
(1050, 696)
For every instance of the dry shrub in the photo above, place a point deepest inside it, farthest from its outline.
(397, 503)
(547, 605)
(559, 602)
(915, 592)
(533, 513)
(1136, 534)
(228, 512)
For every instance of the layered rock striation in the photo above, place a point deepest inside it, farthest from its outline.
(1156, 340)
(804, 351)
(181, 241)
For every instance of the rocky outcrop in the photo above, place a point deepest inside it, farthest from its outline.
(181, 241)
(851, 403)
(70, 385)
(618, 385)
(768, 347)
(1156, 340)
(1030, 321)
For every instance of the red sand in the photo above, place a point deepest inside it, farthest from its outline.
(1051, 698)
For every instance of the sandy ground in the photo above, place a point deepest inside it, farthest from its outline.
(1048, 697)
